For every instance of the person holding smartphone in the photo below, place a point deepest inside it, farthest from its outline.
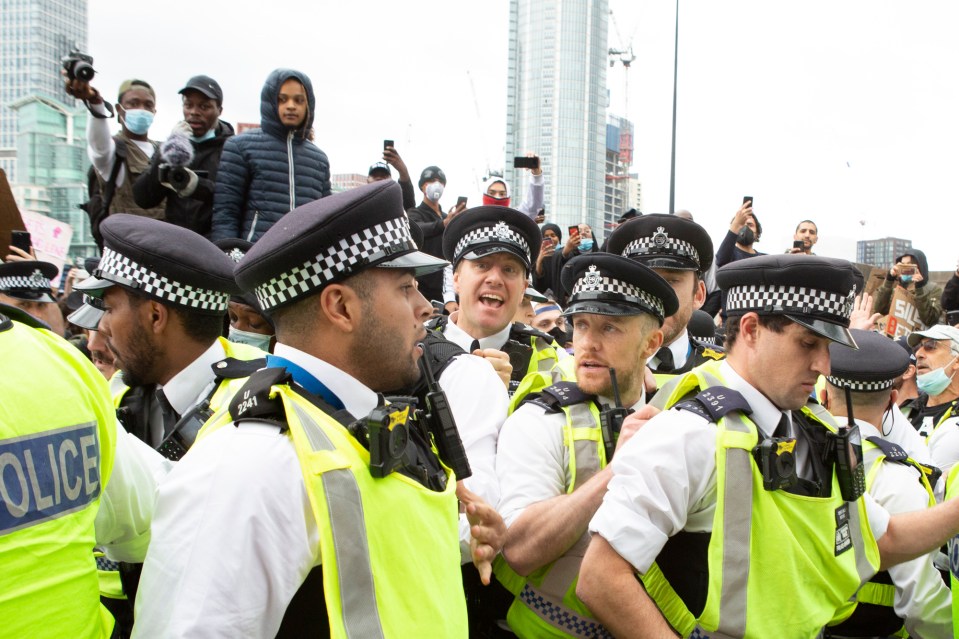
(805, 237)
(911, 272)
(496, 191)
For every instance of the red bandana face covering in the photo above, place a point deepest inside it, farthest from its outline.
(489, 200)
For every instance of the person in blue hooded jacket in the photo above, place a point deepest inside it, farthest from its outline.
(266, 173)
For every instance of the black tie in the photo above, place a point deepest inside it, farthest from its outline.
(665, 357)
(782, 428)
(475, 346)
(170, 418)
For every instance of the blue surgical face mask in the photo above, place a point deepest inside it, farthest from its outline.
(206, 136)
(137, 121)
(934, 382)
(586, 244)
(257, 340)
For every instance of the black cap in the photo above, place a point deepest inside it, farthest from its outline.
(873, 367)
(628, 215)
(205, 85)
(702, 327)
(431, 173)
(663, 241)
(484, 230)
(329, 240)
(383, 167)
(163, 261)
(605, 284)
(816, 292)
(88, 314)
(903, 342)
(27, 280)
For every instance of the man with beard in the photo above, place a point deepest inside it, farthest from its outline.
(554, 450)
(301, 502)
(680, 251)
(164, 291)
(492, 249)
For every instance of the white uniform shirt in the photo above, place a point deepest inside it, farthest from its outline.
(233, 534)
(532, 463)
(101, 147)
(679, 347)
(664, 480)
(194, 382)
(899, 430)
(944, 444)
(922, 598)
(464, 340)
(126, 506)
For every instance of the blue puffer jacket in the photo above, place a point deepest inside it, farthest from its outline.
(266, 173)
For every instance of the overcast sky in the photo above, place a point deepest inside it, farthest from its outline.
(844, 112)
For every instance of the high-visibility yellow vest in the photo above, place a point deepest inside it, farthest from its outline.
(952, 491)
(389, 546)
(57, 441)
(546, 604)
(785, 576)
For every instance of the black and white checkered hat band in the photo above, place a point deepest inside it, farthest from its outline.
(789, 299)
(666, 246)
(592, 286)
(24, 282)
(862, 387)
(359, 249)
(499, 233)
(123, 270)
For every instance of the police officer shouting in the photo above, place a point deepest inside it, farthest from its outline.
(554, 450)
(303, 500)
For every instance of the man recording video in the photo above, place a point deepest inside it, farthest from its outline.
(184, 171)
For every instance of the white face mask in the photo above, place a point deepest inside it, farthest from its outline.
(257, 340)
(434, 191)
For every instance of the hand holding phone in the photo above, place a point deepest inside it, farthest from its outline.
(387, 144)
(573, 230)
(21, 240)
(799, 244)
(461, 201)
(749, 199)
(520, 162)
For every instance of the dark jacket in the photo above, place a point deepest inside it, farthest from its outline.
(927, 294)
(194, 212)
(266, 173)
(729, 252)
(431, 224)
(950, 294)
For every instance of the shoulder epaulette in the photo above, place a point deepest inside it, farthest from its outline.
(232, 368)
(715, 402)
(253, 399)
(893, 452)
(554, 398)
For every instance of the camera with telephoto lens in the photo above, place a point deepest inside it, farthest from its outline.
(79, 66)
(776, 457)
(386, 430)
(178, 177)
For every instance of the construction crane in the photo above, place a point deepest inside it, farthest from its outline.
(625, 56)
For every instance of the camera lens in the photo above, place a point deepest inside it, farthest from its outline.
(83, 71)
(785, 464)
(398, 441)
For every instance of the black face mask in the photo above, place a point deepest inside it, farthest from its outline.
(746, 236)
(562, 337)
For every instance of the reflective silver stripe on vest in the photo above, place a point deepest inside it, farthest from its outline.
(863, 567)
(545, 364)
(586, 451)
(361, 616)
(737, 526)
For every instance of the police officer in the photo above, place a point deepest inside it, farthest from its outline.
(706, 509)
(292, 513)
(68, 481)
(491, 249)
(680, 250)
(26, 285)
(913, 592)
(554, 449)
(165, 292)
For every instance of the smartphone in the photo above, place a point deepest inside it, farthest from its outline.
(21, 240)
(526, 163)
(907, 269)
(387, 144)
(573, 230)
(461, 200)
(799, 244)
(748, 198)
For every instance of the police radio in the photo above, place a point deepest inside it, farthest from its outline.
(611, 418)
(776, 458)
(848, 450)
(386, 433)
(441, 425)
(184, 434)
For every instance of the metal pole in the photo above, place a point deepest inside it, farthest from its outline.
(672, 159)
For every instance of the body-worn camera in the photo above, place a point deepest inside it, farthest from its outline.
(849, 469)
(387, 430)
(776, 458)
(79, 66)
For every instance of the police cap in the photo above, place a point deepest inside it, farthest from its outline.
(484, 230)
(27, 280)
(329, 240)
(872, 368)
(815, 292)
(702, 327)
(163, 261)
(663, 241)
(605, 284)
